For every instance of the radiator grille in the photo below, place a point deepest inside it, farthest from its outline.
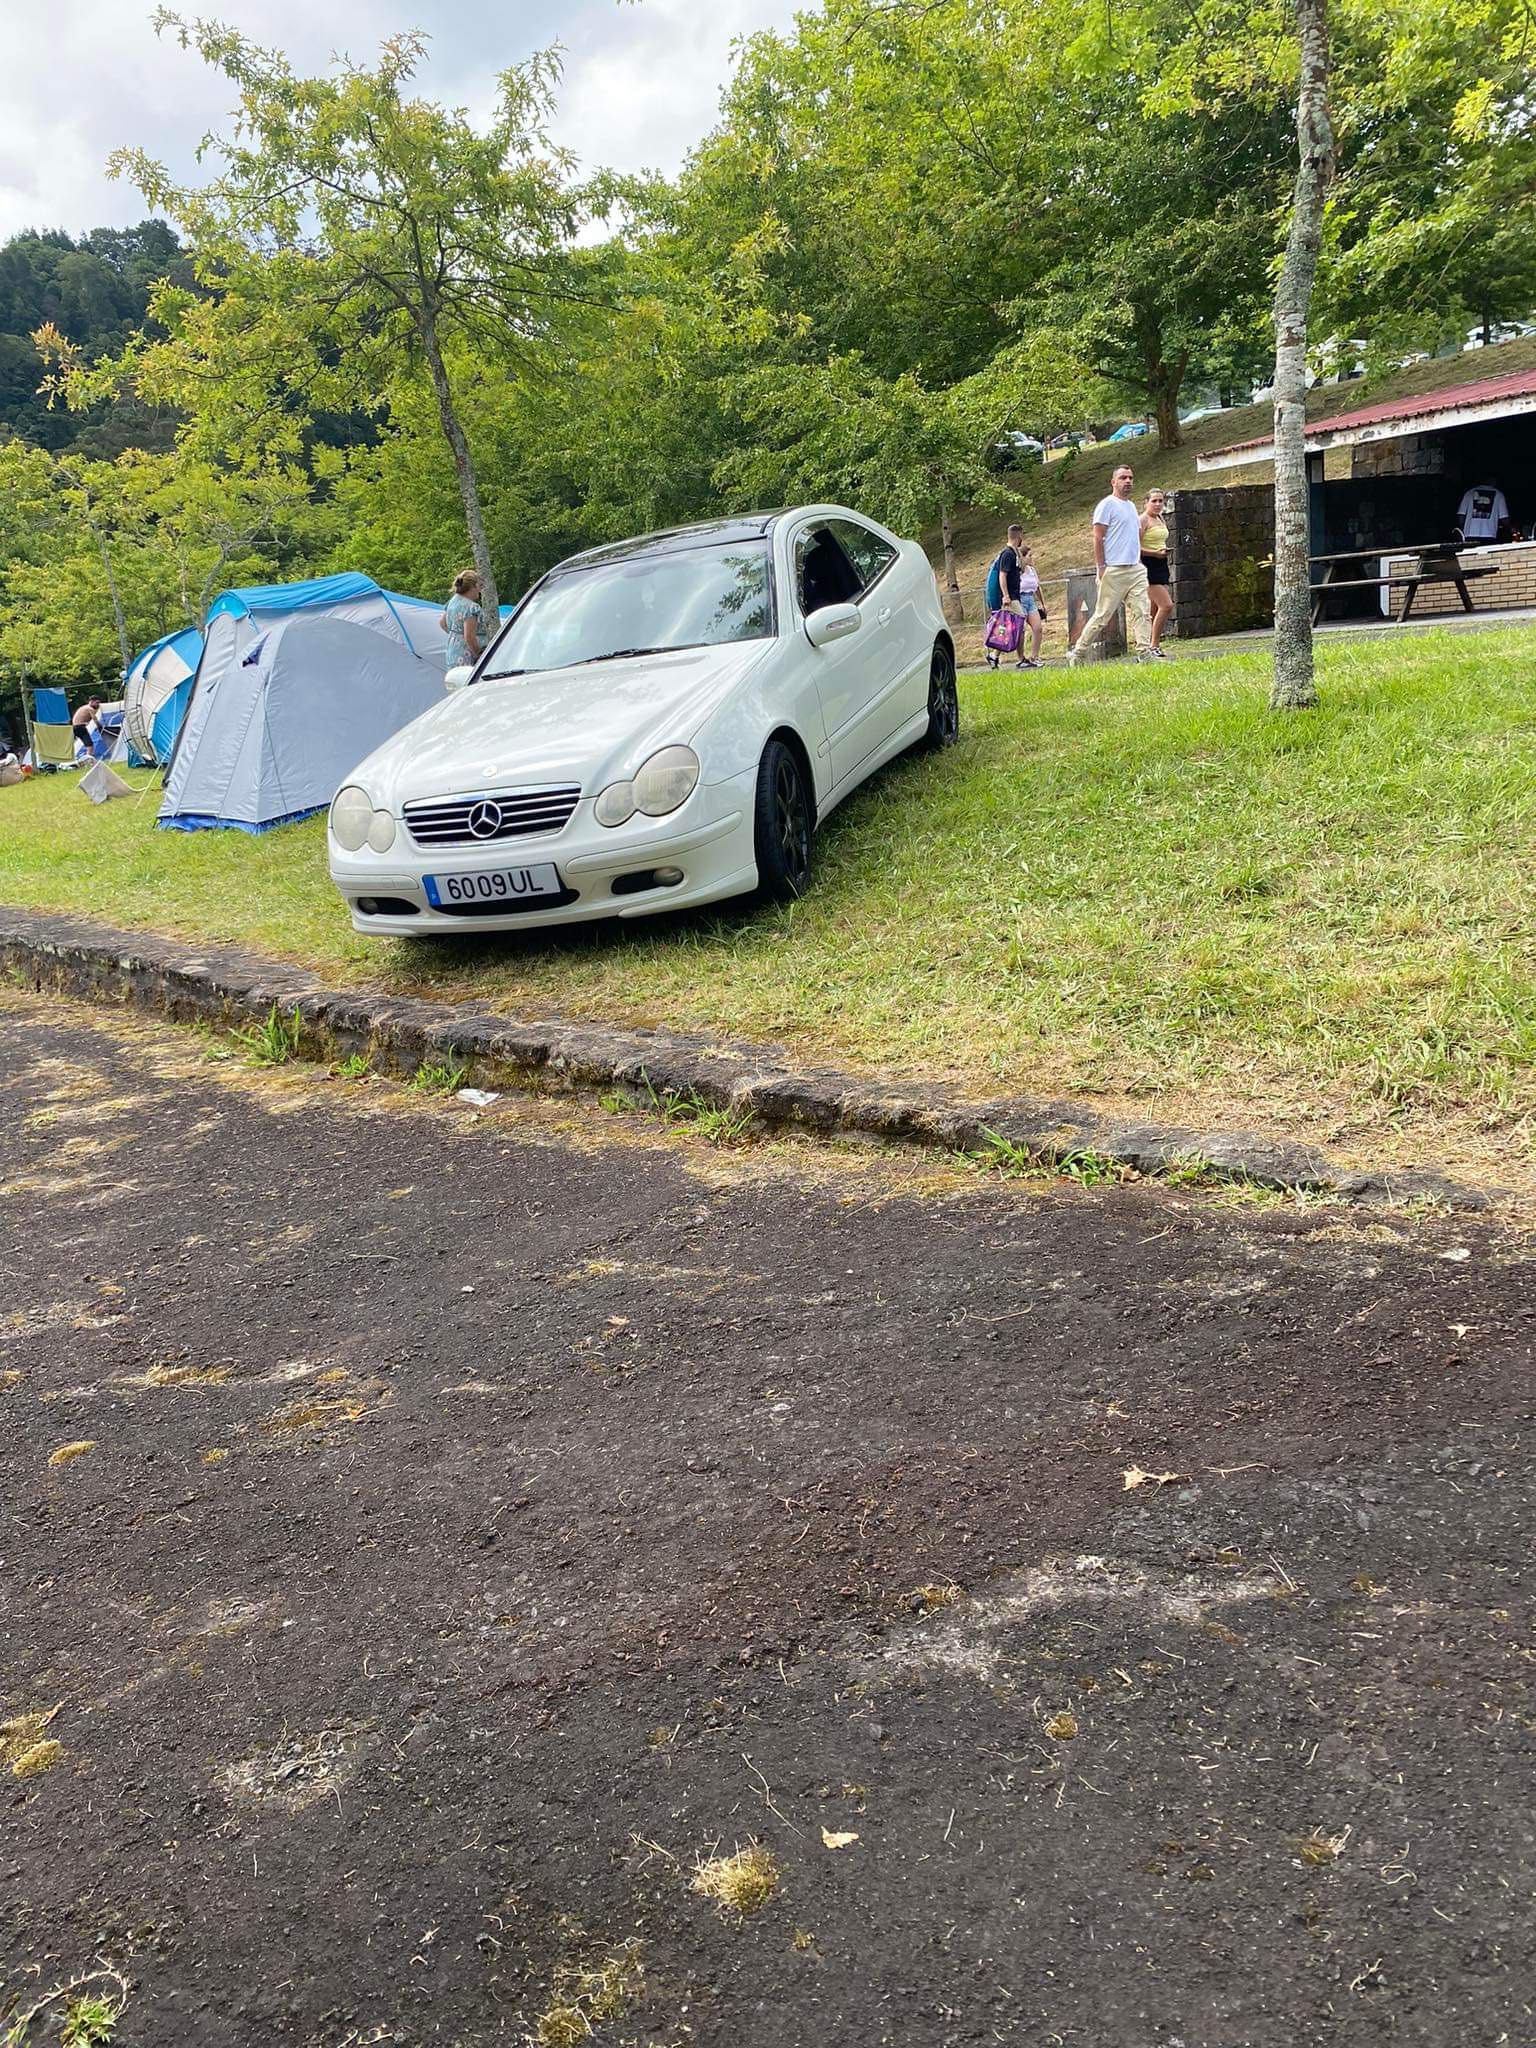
(482, 820)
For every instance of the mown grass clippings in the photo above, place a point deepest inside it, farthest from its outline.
(39, 1757)
(215, 1456)
(1062, 1727)
(66, 1454)
(931, 1598)
(741, 1883)
(188, 1375)
(1318, 1850)
(583, 1997)
(309, 1414)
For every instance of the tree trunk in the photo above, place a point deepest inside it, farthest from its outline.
(1293, 687)
(463, 463)
(1166, 403)
(124, 645)
(947, 537)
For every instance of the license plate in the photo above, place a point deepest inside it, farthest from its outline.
(493, 885)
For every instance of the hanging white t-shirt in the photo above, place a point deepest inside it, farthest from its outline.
(1481, 510)
(1122, 531)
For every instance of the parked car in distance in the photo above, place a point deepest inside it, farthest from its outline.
(1499, 331)
(1201, 412)
(1131, 431)
(1013, 450)
(663, 723)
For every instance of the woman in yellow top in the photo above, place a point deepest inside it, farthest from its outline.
(1154, 559)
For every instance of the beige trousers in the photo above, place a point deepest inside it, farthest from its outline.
(1121, 586)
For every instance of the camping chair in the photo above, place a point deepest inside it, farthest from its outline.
(55, 743)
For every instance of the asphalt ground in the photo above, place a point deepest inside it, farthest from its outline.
(434, 1543)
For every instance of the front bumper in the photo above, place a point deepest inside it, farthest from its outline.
(709, 838)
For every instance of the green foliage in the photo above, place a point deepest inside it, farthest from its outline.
(357, 1066)
(95, 291)
(686, 1109)
(436, 1077)
(273, 1042)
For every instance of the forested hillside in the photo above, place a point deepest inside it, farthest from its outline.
(95, 290)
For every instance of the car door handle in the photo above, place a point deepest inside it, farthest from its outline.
(883, 614)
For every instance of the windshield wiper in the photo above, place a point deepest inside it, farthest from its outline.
(623, 654)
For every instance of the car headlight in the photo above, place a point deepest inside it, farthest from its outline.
(351, 817)
(616, 804)
(665, 781)
(381, 831)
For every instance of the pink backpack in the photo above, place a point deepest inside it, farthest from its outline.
(1005, 630)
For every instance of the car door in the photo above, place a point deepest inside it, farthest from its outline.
(897, 642)
(848, 672)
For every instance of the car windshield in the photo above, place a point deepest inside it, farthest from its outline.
(649, 604)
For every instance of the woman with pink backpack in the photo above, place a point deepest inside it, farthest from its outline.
(1013, 601)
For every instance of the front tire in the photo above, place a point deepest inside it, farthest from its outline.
(943, 702)
(782, 825)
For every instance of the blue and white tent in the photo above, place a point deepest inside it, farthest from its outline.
(296, 683)
(155, 693)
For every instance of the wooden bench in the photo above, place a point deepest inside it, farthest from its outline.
(1433, 568)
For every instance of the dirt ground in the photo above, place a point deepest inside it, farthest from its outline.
(434, 1542)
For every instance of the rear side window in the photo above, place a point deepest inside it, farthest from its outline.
(823, 573)
(870, 555)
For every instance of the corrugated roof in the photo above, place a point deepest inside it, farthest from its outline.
(1425, 405)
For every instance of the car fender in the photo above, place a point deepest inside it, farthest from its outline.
(780, 692)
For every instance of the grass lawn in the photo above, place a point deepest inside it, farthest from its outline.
(1135, 884)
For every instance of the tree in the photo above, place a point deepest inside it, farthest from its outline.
(356, 234)
(1293, 687)
(921, 201)
(906, 454)
(1432, 222)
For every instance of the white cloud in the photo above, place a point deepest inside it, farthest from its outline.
(83, 77)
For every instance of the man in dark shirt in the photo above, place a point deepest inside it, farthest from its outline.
(1003, 577)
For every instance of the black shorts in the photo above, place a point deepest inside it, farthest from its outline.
(1156, 567)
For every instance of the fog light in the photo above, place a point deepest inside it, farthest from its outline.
(669, 877)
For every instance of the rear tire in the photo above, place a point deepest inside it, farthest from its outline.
(943, 702)
(782, 825)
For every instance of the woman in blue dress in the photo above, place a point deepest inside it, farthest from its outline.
(463, 622)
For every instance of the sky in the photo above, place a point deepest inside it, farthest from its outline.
(82, 77)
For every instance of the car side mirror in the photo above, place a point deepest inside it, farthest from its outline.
(833, 622)
(456, 678)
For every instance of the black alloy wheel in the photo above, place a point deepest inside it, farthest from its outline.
(943, 702)
(782, 825)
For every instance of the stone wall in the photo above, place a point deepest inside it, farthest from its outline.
(1408, 455)
(1221, 545)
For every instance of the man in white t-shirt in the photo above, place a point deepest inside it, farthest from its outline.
(1481, 512)
(1122, 573)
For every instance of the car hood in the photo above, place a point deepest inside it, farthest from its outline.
(592, 724)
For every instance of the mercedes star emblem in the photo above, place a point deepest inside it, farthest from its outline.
(485, 819)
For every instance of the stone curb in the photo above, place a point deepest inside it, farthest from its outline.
(225, 986)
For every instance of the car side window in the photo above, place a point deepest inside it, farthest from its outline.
(823, 573)
(870, 555)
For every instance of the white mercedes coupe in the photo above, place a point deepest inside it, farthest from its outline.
(663, 722)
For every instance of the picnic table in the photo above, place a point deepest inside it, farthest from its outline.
(1437, 562)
